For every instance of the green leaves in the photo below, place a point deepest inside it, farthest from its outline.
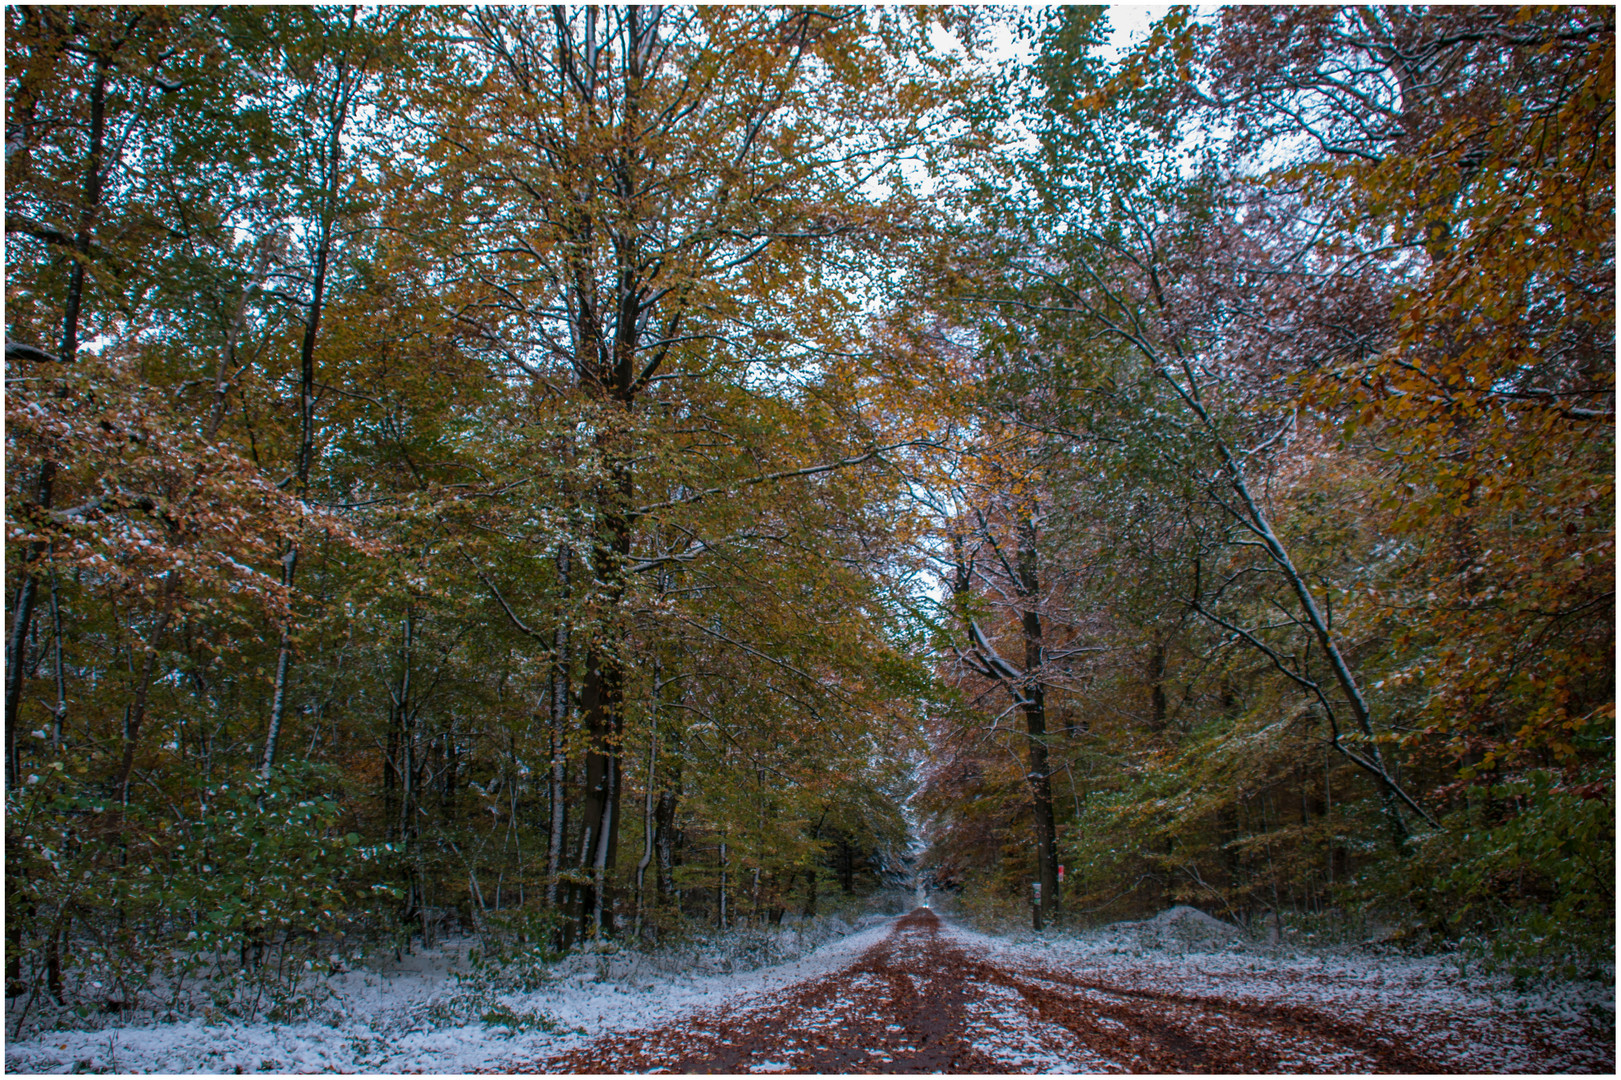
(1284, 337)
(647, 376)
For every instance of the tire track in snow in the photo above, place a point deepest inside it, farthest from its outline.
(924, 1001)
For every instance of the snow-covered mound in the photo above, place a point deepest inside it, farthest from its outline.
(1189, 926)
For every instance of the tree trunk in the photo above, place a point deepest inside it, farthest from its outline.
(1035, 722)
(559, 737)
(60, 711)
(23, 612)
(336, 118)
(647, 821)
(407, 770)
(1391, 793)
(1156, 671)
(606, 328)
(16, 643)
(137, 708)
(53, 958)
(601, 912)
(284, 660)
(1255, 520)
(603, 700)
(664, 831)
(723, 884)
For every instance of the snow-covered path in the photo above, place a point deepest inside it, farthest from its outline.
(929, 998)
(908, 994)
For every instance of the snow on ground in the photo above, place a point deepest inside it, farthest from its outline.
(428, 1016)
(1443, 1005)
(432, 1013)
(1000, 1026)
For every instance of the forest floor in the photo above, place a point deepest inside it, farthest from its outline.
(933, 998)
(1178, 994)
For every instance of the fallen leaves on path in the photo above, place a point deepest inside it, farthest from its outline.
(926, 1000)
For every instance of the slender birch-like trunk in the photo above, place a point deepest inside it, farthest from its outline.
(647, 823)
(337, 116)
(27, 589)
(558, 738)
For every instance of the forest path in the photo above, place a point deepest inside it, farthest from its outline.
(926, 1000)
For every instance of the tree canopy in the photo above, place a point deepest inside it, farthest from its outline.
(583, 473)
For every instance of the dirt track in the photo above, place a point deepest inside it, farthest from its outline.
(920, 1002)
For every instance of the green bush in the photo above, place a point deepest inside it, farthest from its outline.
(251, 886)
(516, 947)
(1527, 873)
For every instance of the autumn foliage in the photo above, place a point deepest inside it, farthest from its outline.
(588, 473)
(1307, 315)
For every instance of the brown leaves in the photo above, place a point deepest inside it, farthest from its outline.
(139, 493)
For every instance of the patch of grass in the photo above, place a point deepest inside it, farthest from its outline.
(503, 1015)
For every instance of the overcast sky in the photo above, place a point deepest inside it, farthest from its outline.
(1129, 23)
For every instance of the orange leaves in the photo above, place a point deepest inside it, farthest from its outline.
(140, 491)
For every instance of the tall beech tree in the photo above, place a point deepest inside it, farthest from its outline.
(626, 178)
(995, 546)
